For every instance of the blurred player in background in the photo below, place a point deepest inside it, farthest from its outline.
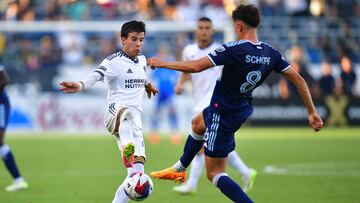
(5, 152)
(203, 85)
(247, 63)
(125, 75)
(165, 80)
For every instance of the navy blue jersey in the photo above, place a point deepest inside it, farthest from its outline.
(4, 107)
(246, 66)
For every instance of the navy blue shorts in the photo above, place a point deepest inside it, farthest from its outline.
(220, 130)
(4, 110)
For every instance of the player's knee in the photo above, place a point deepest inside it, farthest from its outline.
(127, 115)
(198, 127)
(211, 174)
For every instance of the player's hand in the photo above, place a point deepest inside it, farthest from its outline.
(70, 87)
(154, 62)
(150, 89)
(315, 121)
(178, 89)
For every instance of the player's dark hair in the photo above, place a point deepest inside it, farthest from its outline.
(204, 19)
(248, 13)
(132, 26)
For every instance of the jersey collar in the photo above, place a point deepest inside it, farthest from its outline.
(254, 43)
(136, 60)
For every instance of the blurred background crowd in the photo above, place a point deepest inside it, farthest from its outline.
(322, 34)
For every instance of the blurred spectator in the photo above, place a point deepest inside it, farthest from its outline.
(52, 10)
(20, 10)
(49, 60)
(73, 46)
(270, 7)
(348, 76)
(187, 10)
(214, 9)
(75, 9)
(327, 81)
(328, 49)
(337, 105)
(347, 42)
(296, 7)
(296, 55)
(107, 47)
(22, 60)
(287, 90)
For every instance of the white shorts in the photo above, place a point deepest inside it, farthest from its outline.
(114, 115)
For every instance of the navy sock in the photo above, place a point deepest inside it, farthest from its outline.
(232, 190)
(11, 165)
(191, 148)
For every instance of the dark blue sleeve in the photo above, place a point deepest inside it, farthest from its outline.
(220, 56)
(281, 64)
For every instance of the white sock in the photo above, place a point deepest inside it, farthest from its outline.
(238, 164)
(197, 166)
(120, 196)
(19, 180)
(179, 167)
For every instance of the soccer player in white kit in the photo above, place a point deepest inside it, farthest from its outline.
(124, 73)
(203, 84)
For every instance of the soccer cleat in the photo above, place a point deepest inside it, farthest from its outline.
(128, 155)
(184, 189)
(249, 181)
(169, 174)
(17, 186)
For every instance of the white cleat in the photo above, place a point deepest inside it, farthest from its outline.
(17, 186)
(184, 189)
(249, 180)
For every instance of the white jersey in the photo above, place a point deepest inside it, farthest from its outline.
(126, 79)
(203, 83)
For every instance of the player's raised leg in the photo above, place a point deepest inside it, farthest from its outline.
(139, 158)
(125, 136)
(248, 174)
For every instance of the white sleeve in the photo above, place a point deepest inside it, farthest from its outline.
(184, 56)
(91, 79)
(104, 71)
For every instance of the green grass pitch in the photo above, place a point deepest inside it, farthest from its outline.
(305, 167)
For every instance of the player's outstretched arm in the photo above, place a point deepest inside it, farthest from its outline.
(192, 66)
(314, 118)
(71, 87)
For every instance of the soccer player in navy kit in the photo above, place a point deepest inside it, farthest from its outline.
(247, 63)
(5, 151)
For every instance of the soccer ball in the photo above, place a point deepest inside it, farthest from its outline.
(138, 186)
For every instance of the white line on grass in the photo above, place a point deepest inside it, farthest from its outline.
(333, 168)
